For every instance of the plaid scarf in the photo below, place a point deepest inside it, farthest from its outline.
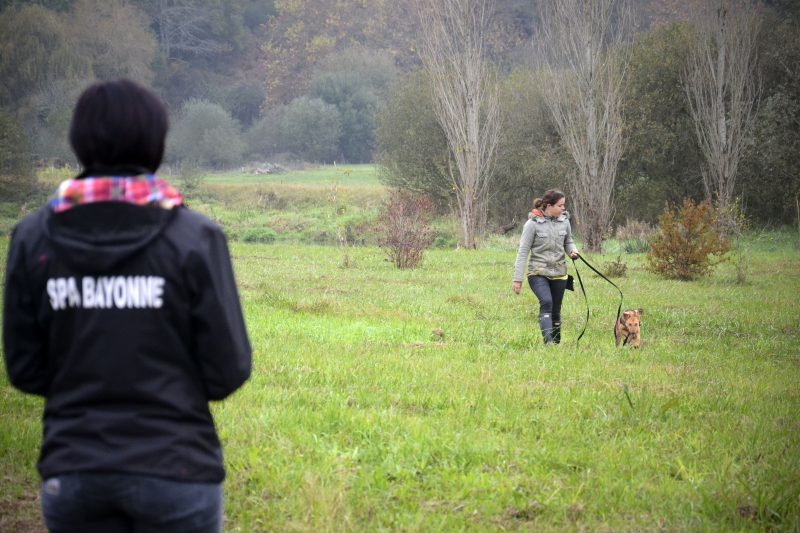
(139, 190)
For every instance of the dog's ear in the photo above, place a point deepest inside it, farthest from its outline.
(626, 314)
(640, 311)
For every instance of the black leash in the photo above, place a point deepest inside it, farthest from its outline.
(583, 290)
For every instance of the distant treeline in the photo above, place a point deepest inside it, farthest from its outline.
(332, 80)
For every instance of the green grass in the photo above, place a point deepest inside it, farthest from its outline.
(358, 417)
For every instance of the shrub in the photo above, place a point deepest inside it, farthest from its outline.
(259, 235)
(190, 177)
(265, 136)
(405, 229)
(244, 101)
(688, 244)
(442, 240)
(311, 129)
(617, 268)
(306, 128)
(206, 135)
(355, 81)
(634, 236)
(16, 163)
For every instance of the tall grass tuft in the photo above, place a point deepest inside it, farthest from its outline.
(634, 236)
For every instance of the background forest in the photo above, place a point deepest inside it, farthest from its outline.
(290, 81)
(389, 395)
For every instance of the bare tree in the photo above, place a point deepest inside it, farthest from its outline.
(584, 62)
(184, 27)
(452, 39)
(723, 89)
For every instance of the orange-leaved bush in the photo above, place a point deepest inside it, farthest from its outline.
(688, 243)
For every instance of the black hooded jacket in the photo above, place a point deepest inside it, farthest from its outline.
(127, 320)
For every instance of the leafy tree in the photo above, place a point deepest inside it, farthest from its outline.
(306, 128)
(16, 168)
(661, 160)
(116, 37)
(207, 135)
(304, 32)
(36, 48)
(411, 147)
(257, 12)
(55, 5)
(47, 114)
(512, 29)
(774, 156)
(244, 101)
(530, 157)
(265, 138)
(311, 129)
(413, 155)
(356, 81)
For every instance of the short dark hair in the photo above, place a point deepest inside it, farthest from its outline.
(119, 124)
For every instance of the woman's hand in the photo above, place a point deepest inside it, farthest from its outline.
(574, 254)
(517, 285)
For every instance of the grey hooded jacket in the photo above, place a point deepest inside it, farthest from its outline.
(547, 240)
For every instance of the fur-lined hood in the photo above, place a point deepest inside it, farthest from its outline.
(539, 216)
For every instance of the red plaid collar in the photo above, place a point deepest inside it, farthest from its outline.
(140, 190)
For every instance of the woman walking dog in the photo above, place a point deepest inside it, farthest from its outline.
(547, 239)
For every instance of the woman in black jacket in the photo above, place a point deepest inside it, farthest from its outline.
(121, 309)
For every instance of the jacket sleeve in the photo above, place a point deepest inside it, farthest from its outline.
(569, 245)
(24, 342)
(525, 244)
(220, 341)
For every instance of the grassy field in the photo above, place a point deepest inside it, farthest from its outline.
(362, 416)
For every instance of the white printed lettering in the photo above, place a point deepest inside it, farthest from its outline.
(133, 291)
(98, 294)
(51, 292)
(88, 292)
(157, 285)
(72, 293)
(108, 288)
(107, 292)
(120, 294)
(61, 292)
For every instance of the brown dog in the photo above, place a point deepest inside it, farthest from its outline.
(628, 328)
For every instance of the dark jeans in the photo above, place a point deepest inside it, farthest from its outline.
(93, 502)
(550, 293)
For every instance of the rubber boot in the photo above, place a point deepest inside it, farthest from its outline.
(557, 332)
(546, 325)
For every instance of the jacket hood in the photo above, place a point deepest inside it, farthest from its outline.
(97, 237)
(538, 217)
